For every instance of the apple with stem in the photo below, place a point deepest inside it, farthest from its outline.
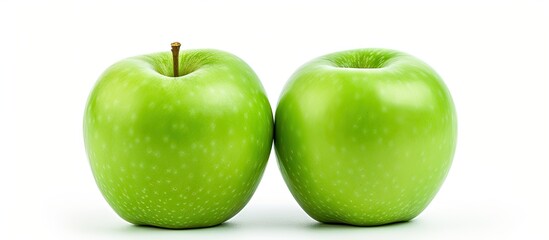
(178, 140)
(365, 137)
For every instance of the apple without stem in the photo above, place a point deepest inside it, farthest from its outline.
(365, 137)
(178, 152)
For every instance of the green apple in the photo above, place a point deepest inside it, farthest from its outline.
(365, 137)
(178, 152)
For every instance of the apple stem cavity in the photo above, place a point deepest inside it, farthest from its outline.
(175, 55)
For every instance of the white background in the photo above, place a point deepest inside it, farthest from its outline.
(494, 57)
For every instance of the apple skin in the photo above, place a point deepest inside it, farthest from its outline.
(178, 152)
(365, 137)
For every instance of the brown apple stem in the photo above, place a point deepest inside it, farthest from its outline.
(175, 55)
